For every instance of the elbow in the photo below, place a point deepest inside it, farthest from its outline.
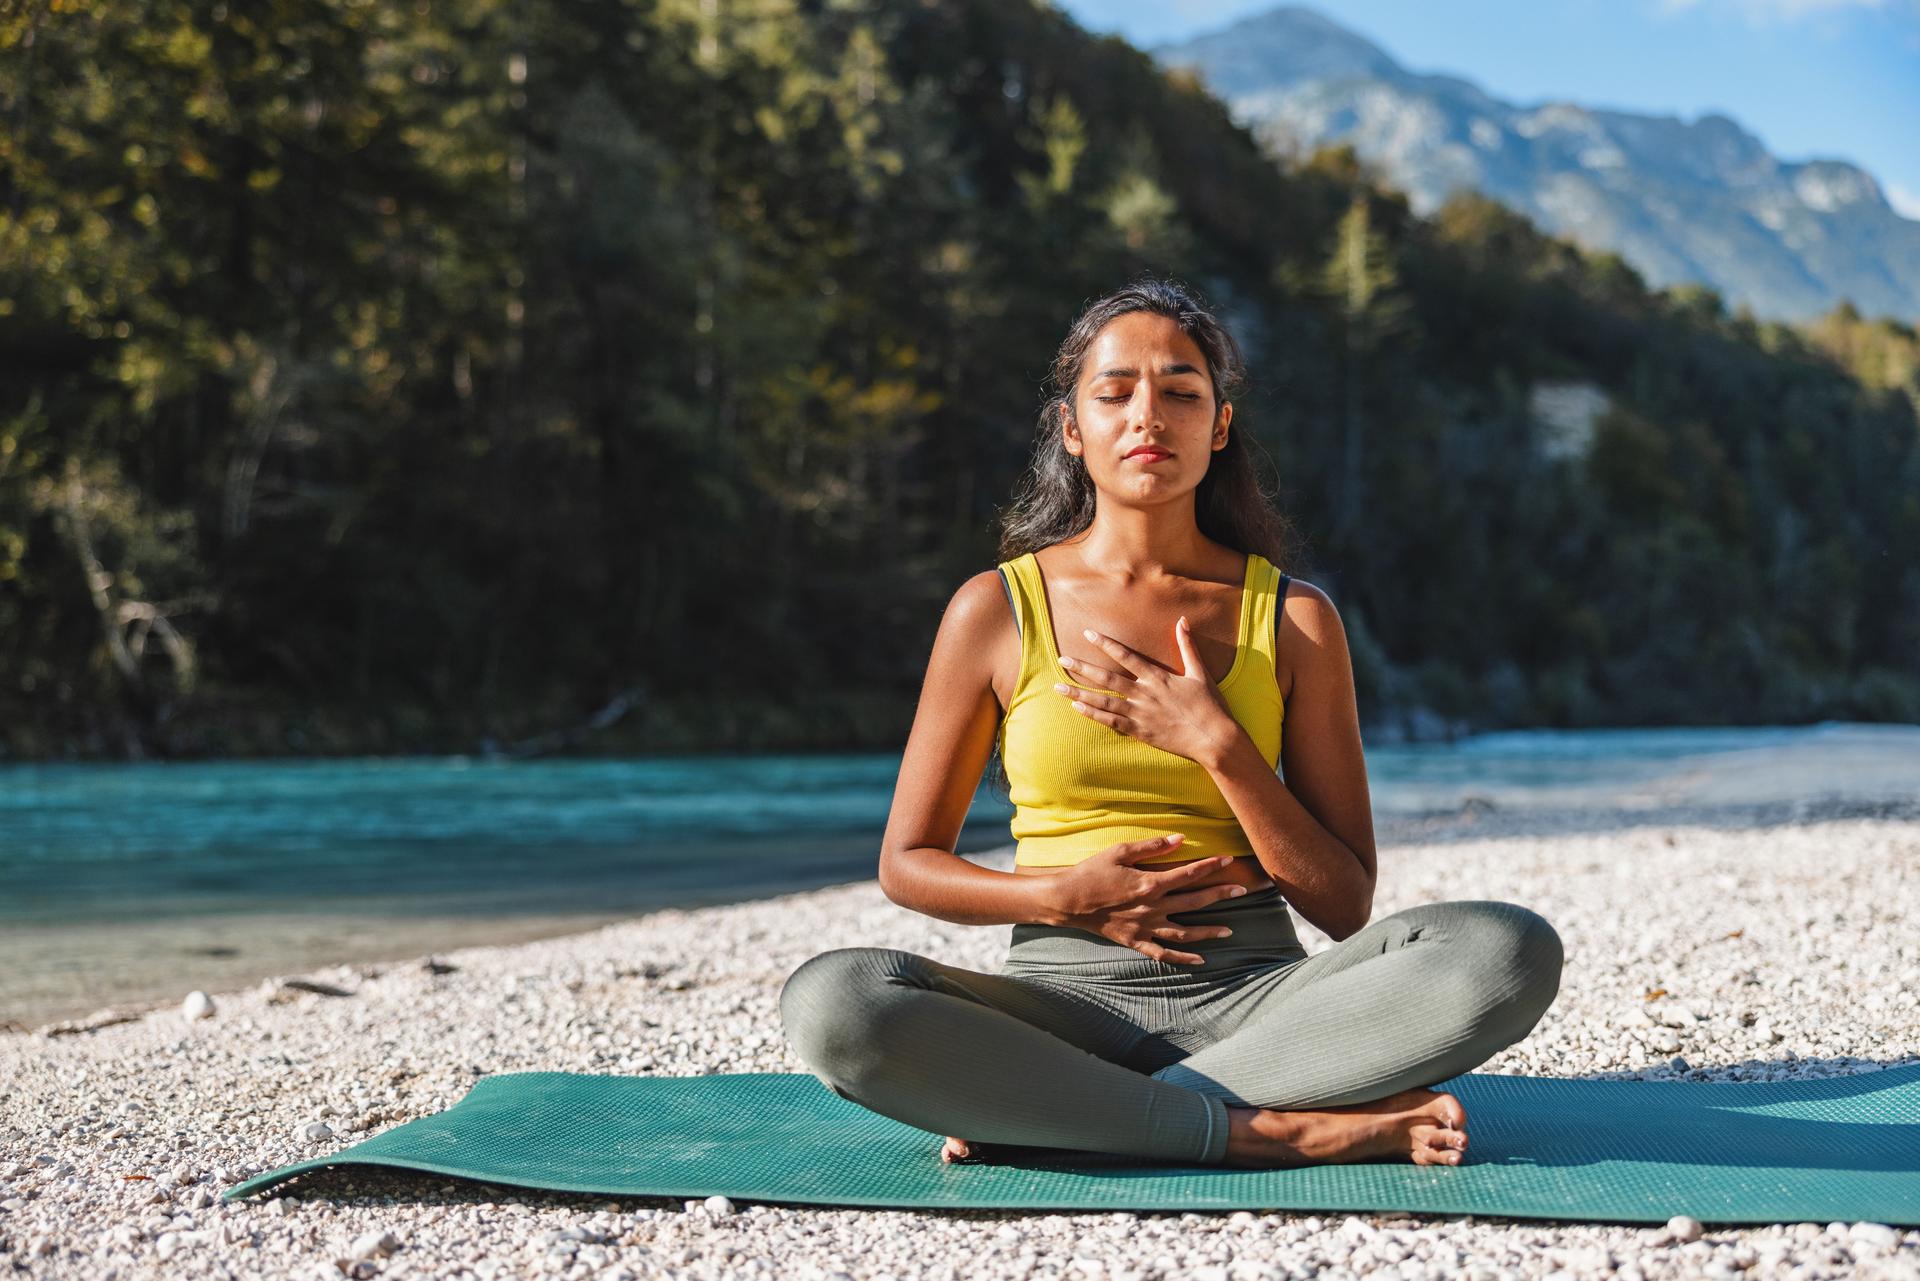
(890, 879)
(1359, 923)
(1365, 914)
(1356, 920)
(1361, 910)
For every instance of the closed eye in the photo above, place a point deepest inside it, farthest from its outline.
(1185, 395)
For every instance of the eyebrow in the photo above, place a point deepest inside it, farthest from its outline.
(1179, 367)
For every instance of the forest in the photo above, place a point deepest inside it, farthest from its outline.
(475, 376)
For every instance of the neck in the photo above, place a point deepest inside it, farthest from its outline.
(1129, 544)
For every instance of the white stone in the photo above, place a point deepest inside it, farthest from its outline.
(1678, 1015)
(375, 1244)
(1878, 1235)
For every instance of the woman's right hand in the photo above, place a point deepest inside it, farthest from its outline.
(1106, 894)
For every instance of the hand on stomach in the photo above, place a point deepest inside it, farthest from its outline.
(1115, 895)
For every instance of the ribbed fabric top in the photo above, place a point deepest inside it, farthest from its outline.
(1079, 786)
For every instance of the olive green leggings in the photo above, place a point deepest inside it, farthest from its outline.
(1081, 1042)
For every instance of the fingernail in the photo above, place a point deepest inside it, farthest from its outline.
(1237, 891)
(1066, 662)
(1089, 633)
(1171, 839)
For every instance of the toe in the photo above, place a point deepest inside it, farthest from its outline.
(1434, 1146)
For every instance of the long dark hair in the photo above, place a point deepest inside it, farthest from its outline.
(1055, 500)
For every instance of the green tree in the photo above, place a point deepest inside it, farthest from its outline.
(1363, 284)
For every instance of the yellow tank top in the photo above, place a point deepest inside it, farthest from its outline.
(1079, 786)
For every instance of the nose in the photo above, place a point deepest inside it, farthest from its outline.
(1143, 410)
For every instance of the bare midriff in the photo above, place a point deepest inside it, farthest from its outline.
(1244, 870)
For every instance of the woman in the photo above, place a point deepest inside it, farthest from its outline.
(1133, 658)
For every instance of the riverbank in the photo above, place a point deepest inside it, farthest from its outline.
(124, 887)
(1779, 944)
(76, 976)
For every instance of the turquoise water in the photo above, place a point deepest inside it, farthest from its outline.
(140, 842)
(443, 835)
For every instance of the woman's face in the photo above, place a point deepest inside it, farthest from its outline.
(1145, 383)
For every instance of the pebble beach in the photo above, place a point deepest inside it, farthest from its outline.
(1705, 943)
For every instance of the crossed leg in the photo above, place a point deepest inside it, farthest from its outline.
(1001, 1058)
(1328, 1058)
(1411, 999)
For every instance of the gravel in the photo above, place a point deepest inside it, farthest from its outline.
(1782, 946)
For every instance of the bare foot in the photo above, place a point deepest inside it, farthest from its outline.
(1425, 1126)
(971, 1150)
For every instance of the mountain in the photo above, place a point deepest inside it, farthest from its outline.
(1682, 202)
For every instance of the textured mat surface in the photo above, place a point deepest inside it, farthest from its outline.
(1843, 1148)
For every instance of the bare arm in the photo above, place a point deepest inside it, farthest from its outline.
(947, 751)
(1313, 833)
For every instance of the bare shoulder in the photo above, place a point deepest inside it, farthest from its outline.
(979, 610)
(978, 632)
(1310, 612)
(1312, 643)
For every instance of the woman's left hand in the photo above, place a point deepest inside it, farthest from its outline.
(1177, 711)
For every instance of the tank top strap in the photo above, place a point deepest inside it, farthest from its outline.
(1025, 593)
(1268, 583)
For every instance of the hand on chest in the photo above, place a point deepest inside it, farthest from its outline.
(1242, 671)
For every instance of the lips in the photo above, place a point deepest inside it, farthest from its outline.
(1149, 452)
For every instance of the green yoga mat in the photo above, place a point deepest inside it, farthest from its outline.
(1845, 1148)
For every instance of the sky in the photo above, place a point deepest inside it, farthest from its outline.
(1825, 79)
